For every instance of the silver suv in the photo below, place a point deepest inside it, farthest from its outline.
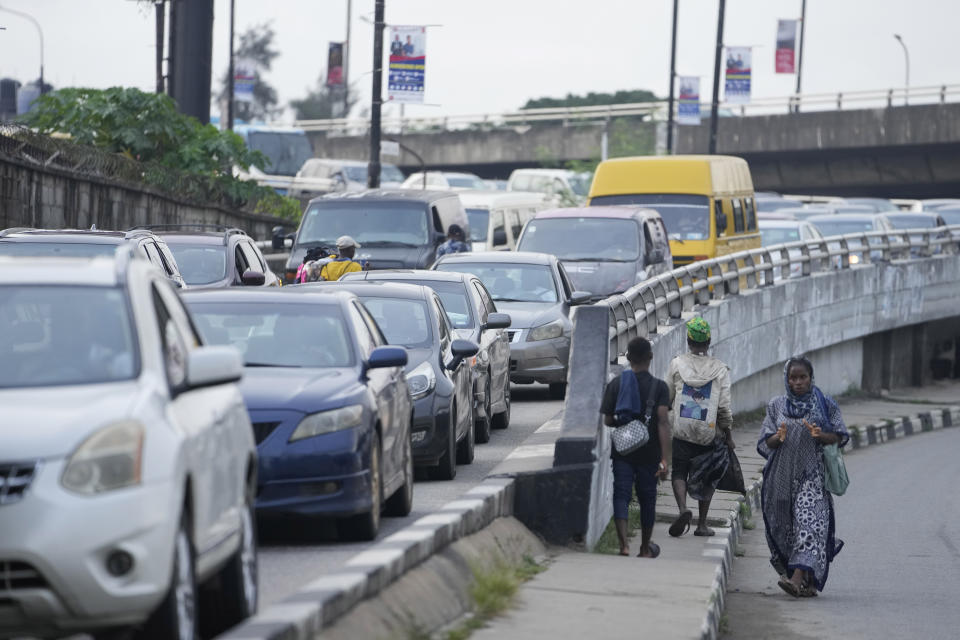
(127, 460)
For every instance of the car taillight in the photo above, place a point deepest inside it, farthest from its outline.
(289, 276)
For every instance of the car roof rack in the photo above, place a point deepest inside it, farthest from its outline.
(195, 226)
(12, 230)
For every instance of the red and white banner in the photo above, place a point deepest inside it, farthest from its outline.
(786, 46)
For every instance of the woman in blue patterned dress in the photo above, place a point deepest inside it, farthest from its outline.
(797, 509)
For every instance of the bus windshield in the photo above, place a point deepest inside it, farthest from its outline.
(687, 217)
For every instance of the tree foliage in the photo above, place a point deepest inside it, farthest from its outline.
(256, 43)
(323, 102)
(592, 99)
(147, 127)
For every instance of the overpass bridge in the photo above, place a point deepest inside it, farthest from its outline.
(862, 143)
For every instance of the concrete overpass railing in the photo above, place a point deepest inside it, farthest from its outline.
(872, 323)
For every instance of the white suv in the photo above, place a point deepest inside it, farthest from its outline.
(127, 459)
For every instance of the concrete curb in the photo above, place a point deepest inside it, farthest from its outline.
(320, 603)
(860, 438)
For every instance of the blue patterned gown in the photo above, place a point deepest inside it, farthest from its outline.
(797, 509)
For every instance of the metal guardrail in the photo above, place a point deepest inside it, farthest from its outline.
(657, 110)
(640, 310)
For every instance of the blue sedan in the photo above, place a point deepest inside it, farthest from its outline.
(328, 400)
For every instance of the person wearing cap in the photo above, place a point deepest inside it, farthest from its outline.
(344, 262)
(702, 418)
(455, 242)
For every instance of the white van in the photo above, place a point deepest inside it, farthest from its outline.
(347, 175)
(562, 186)
(497, 217)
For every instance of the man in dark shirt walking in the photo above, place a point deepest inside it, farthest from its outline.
(642, 467)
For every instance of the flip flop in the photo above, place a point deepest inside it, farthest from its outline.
(789, 587)
(806, 591)
(654, 551)
(704, 534)
(681, 525)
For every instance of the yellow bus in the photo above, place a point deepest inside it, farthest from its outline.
(706, 202)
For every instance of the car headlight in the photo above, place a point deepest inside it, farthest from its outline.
(854, 258)
(421, 380)
(546, 331)
(317, 424)
(109, 459)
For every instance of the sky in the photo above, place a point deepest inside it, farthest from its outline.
(492, 56)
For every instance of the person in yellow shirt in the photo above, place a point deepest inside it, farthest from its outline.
(344, 262)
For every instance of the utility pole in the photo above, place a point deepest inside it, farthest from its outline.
(803, 26)
(158, 8)
(373, 172)
(715, 102)
(673, 75)
(230, 73)
(346, 65)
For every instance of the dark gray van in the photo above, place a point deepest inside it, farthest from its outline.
(396, 228)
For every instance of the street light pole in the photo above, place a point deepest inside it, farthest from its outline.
(376, 100)
(803, 27)
(231, 72)
(346, 65)
(673, 75)
(906, 56)
(715, 101)
(40, 33)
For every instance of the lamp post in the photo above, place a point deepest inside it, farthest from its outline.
(715, 101)
(39, 32)
(376, 100)
(906, 57)
(673, 75)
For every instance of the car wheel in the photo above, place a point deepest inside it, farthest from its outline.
(235, 594)
(558, 390)
(482, 425)
(401, 502)
(176, 617)
(502, 419)
(465, 449)
(366, 525)
(447, 469)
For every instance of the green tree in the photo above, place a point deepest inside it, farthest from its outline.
(592, 99)
(256, 43)
(323, 102)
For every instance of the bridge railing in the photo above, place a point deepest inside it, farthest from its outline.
(639, 311)
(877, 98)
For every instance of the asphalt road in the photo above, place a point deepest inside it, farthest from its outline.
(898, 575)
(294, 553)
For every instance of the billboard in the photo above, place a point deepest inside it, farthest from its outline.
(408, 45)
(244, 77)
(737, 85)
(335, 64)
(688, 106)
(786, 46)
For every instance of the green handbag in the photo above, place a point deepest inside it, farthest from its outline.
(836, 481)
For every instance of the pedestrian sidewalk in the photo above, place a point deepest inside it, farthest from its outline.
(681, 593)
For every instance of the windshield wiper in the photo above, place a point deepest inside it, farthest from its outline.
(388, 243)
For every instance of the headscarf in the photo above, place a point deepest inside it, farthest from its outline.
(810, 405)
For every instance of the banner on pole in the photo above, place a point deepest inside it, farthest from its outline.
(408, 45)
(335, 64)
(688, 106)
(244, 77)
(737, 86)
(786, 46)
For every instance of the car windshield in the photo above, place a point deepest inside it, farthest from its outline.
(778, 235)
(842, 227)
(59, 249)
(510, 282)
(912, 221)
(286, 151)
(587, 238)
(466, 182)
(453, 295)
(580, 183)
(200, 264)
(950, 217)
(404, 322)
(65, 335)
(686, 217)
(479, 219)
(369, 222)
(776, 204)
(358, 173)
(277, 335)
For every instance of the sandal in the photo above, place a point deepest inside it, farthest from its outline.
(681, 525)
(789, 586)
(624, 553)
(806, 591)
(706, 533)
(654, 551)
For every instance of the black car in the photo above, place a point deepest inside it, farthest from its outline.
(474, 317)
(215, 256)
(86, 243)
(439, 378)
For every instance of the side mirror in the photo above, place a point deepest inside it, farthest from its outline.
(580, 297)
(497, 321)
(251, 278)
(654, 256)
(461, 349)
(499, 237)
(277, 238)
(213, 365)
(439, 237)
(383, 357)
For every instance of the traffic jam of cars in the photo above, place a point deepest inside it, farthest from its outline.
(168, 389)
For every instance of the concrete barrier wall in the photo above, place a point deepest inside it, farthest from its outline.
(45, 197)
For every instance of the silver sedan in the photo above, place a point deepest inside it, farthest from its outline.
(535, 290)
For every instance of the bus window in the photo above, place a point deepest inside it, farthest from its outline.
(750, 208)
(737, 216)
